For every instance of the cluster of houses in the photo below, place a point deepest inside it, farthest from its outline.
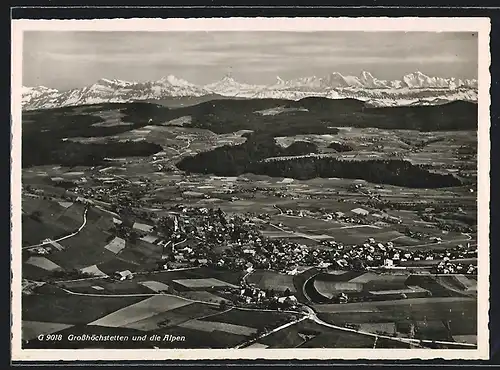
(251, 295)
(384, 255)
(209, 237)
(447, 267)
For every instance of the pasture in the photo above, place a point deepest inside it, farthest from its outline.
(460, 313)
(289, 337)
(42, 263)
(31, 329)
(253, 318)
(140, 311)
(324, 337)
(210, 326)
(71, 309)
(155, 286)
(173, 317)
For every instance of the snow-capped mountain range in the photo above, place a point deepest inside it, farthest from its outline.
(412, 89)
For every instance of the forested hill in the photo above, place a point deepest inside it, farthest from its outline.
(45, 132)
(249, 157)
(320, 114)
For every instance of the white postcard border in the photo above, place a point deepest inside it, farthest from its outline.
(480, 25)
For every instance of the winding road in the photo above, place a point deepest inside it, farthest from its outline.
(64, 237)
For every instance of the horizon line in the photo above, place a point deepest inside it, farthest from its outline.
(229, 75)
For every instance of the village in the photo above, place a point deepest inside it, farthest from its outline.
(199, 236)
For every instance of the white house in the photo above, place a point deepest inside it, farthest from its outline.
(124, 275)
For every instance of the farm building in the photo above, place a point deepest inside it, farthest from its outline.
(289, 299)
(124, 275)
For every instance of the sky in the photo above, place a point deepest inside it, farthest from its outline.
(70, 59)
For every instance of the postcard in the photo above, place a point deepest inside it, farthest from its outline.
(243, 188)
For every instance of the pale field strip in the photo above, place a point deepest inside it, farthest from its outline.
(172, 319)
(31, 329)
(155, 286)
(257, 345)
(330, 286)
(388, 327)
(141, 310)
(468, 284)
(64, 204)
(410, 289)
(93, 270)
(112, 118)
(142, 227)
(140, 132)
(465, 338)
(115, 245)
(375, 306)
(210, 326)
(370, 276)
(149, 238)
(42, 263)
(179, 121)
(203, 283)
(313, 236)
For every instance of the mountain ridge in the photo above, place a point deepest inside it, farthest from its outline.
(412, 89)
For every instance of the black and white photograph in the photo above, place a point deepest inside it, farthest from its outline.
(251, 188)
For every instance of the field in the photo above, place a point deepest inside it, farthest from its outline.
(71, 309)
(210, 326)
(324, 337)
(140, 311)
(251, 159)
(271, 280)
(256, 319)
(173, 317)
(428, 314)
(31, 329)
(202, 283)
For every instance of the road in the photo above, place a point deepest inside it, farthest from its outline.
(146, 295)
(179, 154)
(311, 314)
(246, 344)
(412, 341)
(64, 237)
